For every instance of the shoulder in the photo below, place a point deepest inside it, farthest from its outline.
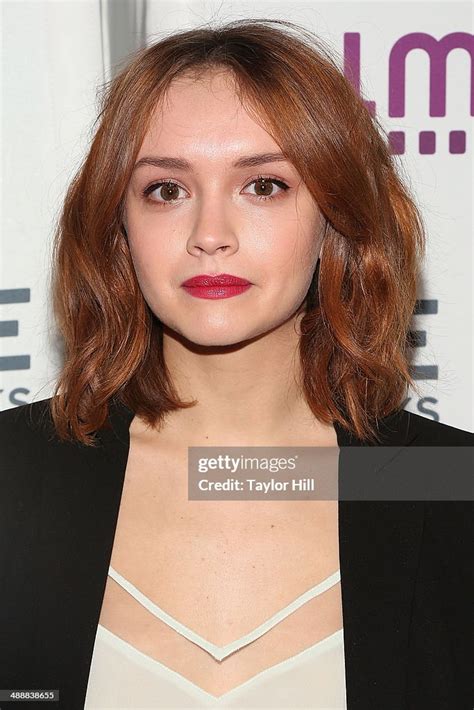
(26, 424)
(26, 433)
(31, 447)
(39, 470)
(422, 431)
(405, 428)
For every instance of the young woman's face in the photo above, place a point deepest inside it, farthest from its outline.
(213, 218)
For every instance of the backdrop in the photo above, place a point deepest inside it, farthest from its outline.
(411, 62)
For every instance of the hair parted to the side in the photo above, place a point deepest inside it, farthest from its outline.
(355, 339)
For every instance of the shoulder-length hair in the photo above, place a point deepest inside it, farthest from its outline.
(355, 337)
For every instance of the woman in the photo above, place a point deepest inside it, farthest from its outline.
(235, 265)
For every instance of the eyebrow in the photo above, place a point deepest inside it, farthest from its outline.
(247, 161)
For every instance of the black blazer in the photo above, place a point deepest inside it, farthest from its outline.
(406, 567)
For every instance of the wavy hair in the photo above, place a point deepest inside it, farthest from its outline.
(355, 338)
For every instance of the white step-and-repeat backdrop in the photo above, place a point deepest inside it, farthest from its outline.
(412, 63)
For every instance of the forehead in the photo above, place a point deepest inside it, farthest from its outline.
(205, 116)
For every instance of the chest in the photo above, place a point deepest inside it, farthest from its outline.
(221, 568)
(209, 545)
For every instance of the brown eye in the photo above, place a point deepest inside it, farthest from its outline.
(165, 191)
(264, 187)
(169, 191)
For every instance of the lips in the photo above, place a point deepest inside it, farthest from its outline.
(217, 280)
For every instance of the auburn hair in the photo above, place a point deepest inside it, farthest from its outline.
(355, 339)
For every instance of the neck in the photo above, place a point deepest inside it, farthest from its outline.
(246, 394)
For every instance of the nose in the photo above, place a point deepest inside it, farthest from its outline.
(212, 230)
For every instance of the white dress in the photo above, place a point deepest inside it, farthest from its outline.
(121, 676)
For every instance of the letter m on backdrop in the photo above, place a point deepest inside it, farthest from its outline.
(437, 50)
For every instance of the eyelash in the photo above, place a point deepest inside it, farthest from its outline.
(151, 188)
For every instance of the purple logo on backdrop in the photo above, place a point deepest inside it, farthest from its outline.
(438, 51)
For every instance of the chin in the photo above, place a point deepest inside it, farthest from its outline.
(217, 340)
(214, 337)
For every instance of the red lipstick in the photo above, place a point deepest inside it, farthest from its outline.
(217, 286)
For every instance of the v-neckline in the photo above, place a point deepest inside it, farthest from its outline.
(219, 653)
(132, 652)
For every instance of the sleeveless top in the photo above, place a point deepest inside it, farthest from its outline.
(121, 676)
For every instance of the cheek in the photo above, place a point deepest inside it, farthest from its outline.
(150, 270)
(153, 253)
(292, 256)
(142, 257)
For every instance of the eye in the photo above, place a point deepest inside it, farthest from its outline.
(265, 185)
(169, 191)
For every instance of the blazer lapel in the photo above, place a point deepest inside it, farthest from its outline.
(379, 544)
